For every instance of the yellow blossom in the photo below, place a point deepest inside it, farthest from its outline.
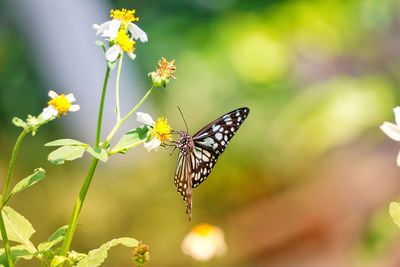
(126, 44)
(162, 130)
(123, 15)
(60, 103)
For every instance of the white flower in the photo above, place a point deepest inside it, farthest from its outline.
(204, 242)
(121, 18)
(160, 132)
(108, 29)
(58, 105)
(393, 130)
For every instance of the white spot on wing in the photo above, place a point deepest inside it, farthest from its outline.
(218, 136)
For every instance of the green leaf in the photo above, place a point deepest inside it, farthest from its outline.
(18, 228)
(66, 142)
(54, 239)
(97, 256)
(57, 260)
(19, 122)
(29, 181)
(17, 252)
(98, 152)
(61, 154)
(131, 139)
(394, 211)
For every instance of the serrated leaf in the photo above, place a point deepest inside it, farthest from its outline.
(394, 211)
(19, 122)
(66, 142)
(131, 139)
(54, 239)
(97, 256)
(99, 153)
(17, 252)
(57, 260)
(19, 229)
(66, 153)
(29, 181)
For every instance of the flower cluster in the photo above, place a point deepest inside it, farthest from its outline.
(141, 254)
(160, 130)
(165, 70)
(120, 32)
(59, 105)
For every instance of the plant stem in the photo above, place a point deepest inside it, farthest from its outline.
(5, 194)
(118, 107)
(77, 208)
(100, 116)
(5, 241)
(88, 179)
(119, 123)
(11, 166)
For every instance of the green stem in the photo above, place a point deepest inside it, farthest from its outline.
(11, 166)
(100, 116)
(77, 208)
(118, 107)
(6, 192)
(89, 176)
(119, 123)
(5, 241)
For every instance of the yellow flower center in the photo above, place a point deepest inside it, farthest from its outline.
(125, 42)
(61, 104)
(162, 130)
(203, 229)
(123, 15)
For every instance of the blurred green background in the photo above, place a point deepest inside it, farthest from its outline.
(308, 177)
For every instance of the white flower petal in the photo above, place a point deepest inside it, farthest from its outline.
(391, 130)
(152, 144)
(49, 112)
(52, 94)
(96, 27)
(111, 29)
(396, 111)
(137, 33)
(113, 52)
(131, 55)
(144, 118)
(74, 108)
(70, 98)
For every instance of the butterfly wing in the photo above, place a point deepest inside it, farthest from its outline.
(183, 182)
(211, 141)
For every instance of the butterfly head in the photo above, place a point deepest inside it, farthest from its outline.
(185, 144)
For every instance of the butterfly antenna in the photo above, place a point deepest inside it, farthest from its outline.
(183, 117)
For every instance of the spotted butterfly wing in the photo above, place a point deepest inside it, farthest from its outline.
(198, 154)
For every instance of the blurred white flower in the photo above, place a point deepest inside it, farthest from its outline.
(160, 132)
(58, 105)
(120, 31)
(204, 242)
(393, 130)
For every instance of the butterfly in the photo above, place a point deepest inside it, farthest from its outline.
(199, 153)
